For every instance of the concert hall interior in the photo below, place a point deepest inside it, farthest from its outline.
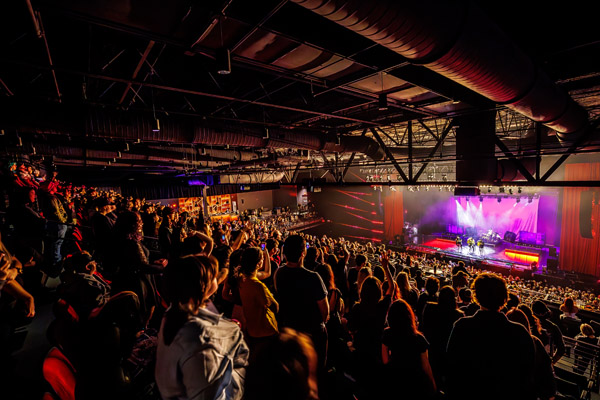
(299, 199)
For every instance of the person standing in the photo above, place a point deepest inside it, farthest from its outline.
(496, 355)
(302, 296)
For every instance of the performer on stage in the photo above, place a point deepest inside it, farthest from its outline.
(480, 246)
(471, 244)
(458, 242)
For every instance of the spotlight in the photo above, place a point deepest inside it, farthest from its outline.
(393, 188)
(501, 189)
(223, 57)
(510, 191)
(467, 199)
(383, 102)
(518, 199)
(530, 199)
(481, 199)
(519, 190)
(489, 189)
(499, 199)
(389, 177)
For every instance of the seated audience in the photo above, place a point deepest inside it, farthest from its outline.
(555, 344)
(569, 309)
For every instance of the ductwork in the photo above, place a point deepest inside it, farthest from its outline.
(272, 177)
(136, 127)
(457, 40)
(103, 123)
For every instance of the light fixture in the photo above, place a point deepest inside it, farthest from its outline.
(383, 102)
(223, 57)
(481, 199)
(499, 199)
(519, 190)
(156, 125)
(518, 199)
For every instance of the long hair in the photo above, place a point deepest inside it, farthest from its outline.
(129, 226)
(403, 285)
(326, 273)
(534, 322)
(569, 305)
(401, 318)
(188, 278)
(370, 291)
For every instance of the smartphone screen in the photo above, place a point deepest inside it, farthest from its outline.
(307, 245)
(222, 237)
(262, 246)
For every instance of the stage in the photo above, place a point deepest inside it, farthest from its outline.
(510, 256)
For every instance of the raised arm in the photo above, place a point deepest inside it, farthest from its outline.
(385, 261)
(265, 272)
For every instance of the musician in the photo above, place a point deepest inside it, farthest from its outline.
(480, 246)
(458, 242)
(471, 244)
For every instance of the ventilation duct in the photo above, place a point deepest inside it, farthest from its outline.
(457, 40)
(138, 127)
(252, 178)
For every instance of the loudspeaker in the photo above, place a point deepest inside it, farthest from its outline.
(552, 252)
(510, 236)
(586, 200)
(552, 264)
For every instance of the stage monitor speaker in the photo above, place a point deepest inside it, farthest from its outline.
(552, 252)
(510, 237)
(586, 201)
(552, 264)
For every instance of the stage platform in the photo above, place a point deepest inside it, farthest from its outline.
(508, 256)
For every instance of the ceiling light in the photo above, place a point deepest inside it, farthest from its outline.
(223, 57)
(383, 102)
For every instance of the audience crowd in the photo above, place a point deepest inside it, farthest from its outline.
(156, 304)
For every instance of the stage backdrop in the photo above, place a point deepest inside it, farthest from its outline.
(576, 252)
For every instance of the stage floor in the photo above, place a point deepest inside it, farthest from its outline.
(506, 253)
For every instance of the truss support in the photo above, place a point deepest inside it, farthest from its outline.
(428, 129)
(389, 155)
(409, 132)
(571, 150)
(349, 163)
(440, 142)
(538, 149)
(514, 160)
(137, 70)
